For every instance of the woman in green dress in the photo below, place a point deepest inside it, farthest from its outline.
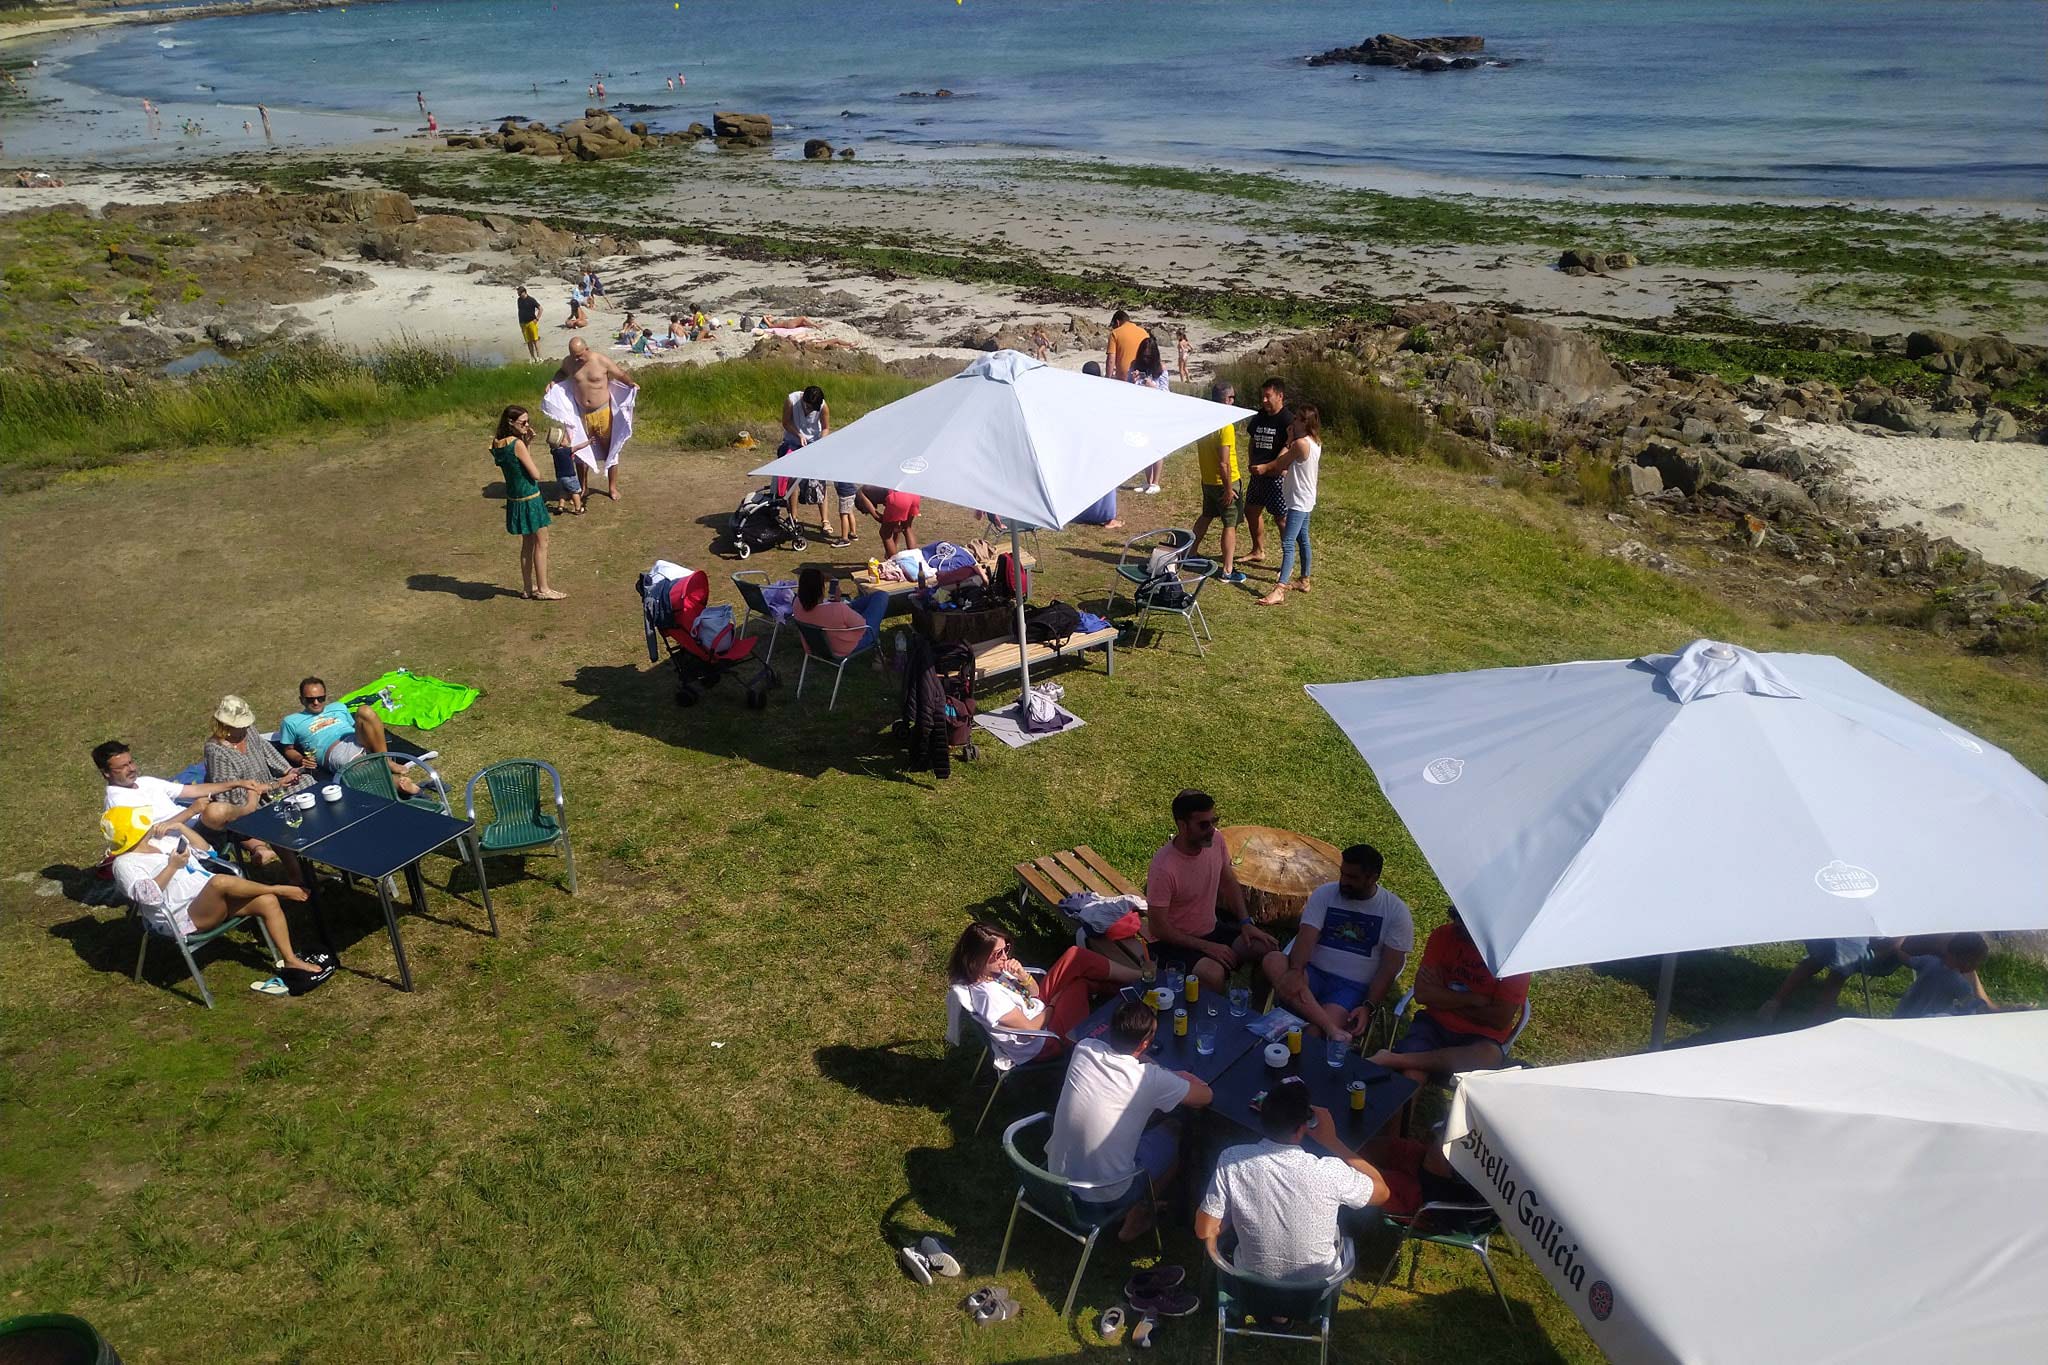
(526, 516)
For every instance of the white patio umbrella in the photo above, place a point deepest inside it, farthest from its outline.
(1867, 1191)
(1011, 436)
(1587, 812)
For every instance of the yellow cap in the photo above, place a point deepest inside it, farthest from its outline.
(124, 826)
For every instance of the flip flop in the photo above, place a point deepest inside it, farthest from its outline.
(1154, 1280)
(938, 1258)
(273, 986)
(914, 1265)
(1167, 1303)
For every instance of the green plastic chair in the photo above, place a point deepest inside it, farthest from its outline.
(153, 926)
(370, 773)
(1051, 1200)
(519, 821)
(1240, 1296)
(1463, 1227)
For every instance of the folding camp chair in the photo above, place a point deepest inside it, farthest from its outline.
(1134, 565)
(1241, 1297)
(1465, 1227)
(519, 820)
(817, 645)
(165, 926)
(751, 584)
(1061, 1203)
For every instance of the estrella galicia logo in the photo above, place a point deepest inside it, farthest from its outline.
(1138, 439)
(1846, 880)
(1600, 1298)
(1441, 772)
(916, 464)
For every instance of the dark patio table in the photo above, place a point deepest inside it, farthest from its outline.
(366, 836)
(1329, 1086)
(1233, 1039)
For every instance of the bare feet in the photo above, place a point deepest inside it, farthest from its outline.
(285, 891)
(299, 964)
(1114, 525)
(407, 787)
(1257, 556)
(1138, 1221)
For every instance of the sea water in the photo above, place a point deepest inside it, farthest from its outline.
(1880, 99)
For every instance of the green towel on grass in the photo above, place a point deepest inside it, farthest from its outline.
(417, 700)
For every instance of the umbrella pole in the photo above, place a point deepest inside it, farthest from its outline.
(1023, 668)
(1665, 975)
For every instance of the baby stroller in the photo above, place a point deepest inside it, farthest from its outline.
(938, 706)
(763, 521)
(705, 646)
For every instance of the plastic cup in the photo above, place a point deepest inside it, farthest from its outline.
(1240, 1001)
(1335, 1049)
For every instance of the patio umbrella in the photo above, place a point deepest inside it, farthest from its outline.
(1587, 812)
(1866, 1191)
(1011, 436)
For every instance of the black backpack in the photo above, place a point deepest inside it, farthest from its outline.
(1052, 624)
(1163, 591)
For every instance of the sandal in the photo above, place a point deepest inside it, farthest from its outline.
(548, 595)
(274, 986)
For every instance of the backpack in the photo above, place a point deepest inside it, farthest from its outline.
(1163, 591)
(714, 629)
(1011, 578)
(1052, 624)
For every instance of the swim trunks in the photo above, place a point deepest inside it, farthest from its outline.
(530, 330)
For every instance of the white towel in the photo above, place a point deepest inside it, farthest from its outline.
(559, 406)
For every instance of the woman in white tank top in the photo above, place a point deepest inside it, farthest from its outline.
(1298, 468)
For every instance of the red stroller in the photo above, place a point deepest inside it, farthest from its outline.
(701, 653)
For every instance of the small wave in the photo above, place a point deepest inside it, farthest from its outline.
(168, 43)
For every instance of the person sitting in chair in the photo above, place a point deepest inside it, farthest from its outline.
(205, 820)
(1188, 878)
(323, 733)
(849, 626)
(1466, 1014)
(1354, 940)
(1103, 1126)
(1002, 995)
(161, 877)
(1282, 1200)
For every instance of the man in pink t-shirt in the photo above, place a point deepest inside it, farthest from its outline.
(1189, 877)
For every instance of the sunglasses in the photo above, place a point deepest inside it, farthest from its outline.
(320, 700)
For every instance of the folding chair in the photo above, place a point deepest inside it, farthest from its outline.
(152, 926)
(1190, 574)
(957, 1010)
(1465, 1227)
(817, 645)
(1241, 1296)
(371, 773)
(1406, 1004)
(751, 584)
(519, 822)
(1134, 565)
(1052, 1200)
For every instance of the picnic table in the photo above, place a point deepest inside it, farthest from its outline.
(365, 836)
(1173, 1052)
(902, 587)
(1278, 868)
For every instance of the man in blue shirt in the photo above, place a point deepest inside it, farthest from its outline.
(324, 732)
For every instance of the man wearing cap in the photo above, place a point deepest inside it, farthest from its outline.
(324, 733)
(205, 820)
(161, 877)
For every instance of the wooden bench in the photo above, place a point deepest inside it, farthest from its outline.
(992, 658)
(1068, 872)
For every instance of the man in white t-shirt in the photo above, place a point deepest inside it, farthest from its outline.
(204, 821)
(1103, 1126)
(1281, 1200)
(1355, 938)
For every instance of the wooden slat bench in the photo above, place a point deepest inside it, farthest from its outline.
(993, 658)
(1056, 876)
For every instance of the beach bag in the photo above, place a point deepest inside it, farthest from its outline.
(714, 629)
(1164, 591)
(1052, 624)
(1163, 560)
(1011, 579)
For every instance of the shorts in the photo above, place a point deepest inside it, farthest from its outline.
(1851, 957)
(598, 422)
(1427, 1035)
(1173, 955)
(341, 753)
(900, 508)
(565, 469)
(1337, 992)
(1158, 1146)
(1265, 492)
(530, 330)
(1229, 513)
(849, 496)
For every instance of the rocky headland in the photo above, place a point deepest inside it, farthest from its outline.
(1449, 52)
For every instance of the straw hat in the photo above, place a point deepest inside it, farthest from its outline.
(234, 711)
(124, 827)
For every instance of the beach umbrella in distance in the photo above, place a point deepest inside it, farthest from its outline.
(1868, 1191)
(1588, 812)
(1014, 437)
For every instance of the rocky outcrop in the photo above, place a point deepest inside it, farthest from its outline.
(817, 149)
(597, 136)
(1580, 260)
(1446, 53)
(742, 130)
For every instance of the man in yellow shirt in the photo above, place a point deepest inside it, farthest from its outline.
(1125, 337)
(1222, 486)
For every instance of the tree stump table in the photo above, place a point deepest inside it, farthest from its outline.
(1278, 868)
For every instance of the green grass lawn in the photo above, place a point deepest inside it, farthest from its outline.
(688, 1114)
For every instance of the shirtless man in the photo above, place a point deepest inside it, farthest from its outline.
(589, 377)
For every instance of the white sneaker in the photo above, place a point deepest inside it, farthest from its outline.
(1150, 488)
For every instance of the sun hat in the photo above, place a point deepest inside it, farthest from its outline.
(233, 711)
(124, 826)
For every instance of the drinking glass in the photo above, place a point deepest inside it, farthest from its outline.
(1240, 1001)
(1148, 972)
(1170, 979)
(1334, 1050)
(293, 816)
(1205, 1034)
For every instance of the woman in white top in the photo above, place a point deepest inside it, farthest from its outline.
(161, 877)
(1149, 370)
(1003, 996)
(1298, 467)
